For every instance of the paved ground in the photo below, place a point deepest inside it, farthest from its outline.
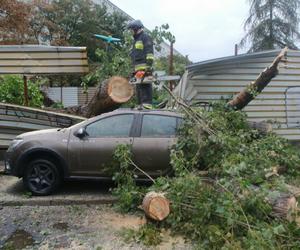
(76, 217)
(12, 193)
(85, 192)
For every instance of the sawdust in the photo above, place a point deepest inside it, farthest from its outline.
(120, 221)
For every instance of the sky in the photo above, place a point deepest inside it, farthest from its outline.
(204, 29)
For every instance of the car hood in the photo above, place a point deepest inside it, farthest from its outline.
(55, 132)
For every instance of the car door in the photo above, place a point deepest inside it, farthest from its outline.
(97, 147)
(151, 148)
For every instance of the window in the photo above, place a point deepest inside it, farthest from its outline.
(158, 126)
(114, 126)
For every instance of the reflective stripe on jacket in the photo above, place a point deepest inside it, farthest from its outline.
(142, 51)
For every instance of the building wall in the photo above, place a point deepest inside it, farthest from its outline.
(278, 103)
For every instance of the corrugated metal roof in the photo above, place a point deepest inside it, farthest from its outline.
(231, 60)
(39, 59)
(39, 48)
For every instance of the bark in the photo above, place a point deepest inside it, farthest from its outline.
(156, 206)
(262, 127)
(108, 97)
(256, 87)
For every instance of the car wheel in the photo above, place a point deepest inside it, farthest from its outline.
(42, 177)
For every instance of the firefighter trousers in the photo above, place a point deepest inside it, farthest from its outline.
(144, 93)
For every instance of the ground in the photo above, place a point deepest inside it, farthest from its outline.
(80, 216)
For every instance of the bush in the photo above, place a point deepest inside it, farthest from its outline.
(229, 207)
(12, 91)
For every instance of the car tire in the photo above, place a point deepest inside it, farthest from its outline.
(42, 177)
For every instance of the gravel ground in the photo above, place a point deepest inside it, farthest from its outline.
(33, 224)
(77, 192)
(72, 227)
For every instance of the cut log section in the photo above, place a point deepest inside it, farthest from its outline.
(108, 97)
(256, 87)
(156, 206)
(284, 207)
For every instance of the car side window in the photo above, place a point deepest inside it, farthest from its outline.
(114, 126)
(158, 126)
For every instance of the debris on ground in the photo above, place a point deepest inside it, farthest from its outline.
(233, 186)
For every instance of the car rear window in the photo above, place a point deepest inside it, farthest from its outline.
(114, 126)
(158, 126)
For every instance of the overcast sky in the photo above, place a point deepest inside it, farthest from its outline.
(204, 29)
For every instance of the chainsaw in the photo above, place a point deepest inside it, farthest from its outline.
(142, 77)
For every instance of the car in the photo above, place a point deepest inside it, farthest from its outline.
(45, 158)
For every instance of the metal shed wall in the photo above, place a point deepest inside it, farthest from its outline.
(224, 78)
(66, 95)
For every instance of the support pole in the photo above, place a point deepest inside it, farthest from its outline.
(25, 91)
(171, 68)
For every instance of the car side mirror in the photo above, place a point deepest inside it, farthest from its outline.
(80, 133)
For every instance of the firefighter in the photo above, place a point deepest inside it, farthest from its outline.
(142, 59)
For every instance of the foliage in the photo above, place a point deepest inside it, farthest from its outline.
(179, 64)
(57, 105)
(229, 207)
(147, 234)
(68, 23)
(15, 17)
(160, 34)
(272, 24)
(128, 193)
(74, 23)
(12, 91)
(111, 61)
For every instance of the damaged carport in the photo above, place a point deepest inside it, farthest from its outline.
(28, 60)
(224, 77)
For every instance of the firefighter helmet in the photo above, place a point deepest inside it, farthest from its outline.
(135, 25)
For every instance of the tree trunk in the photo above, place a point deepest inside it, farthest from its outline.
(262, 127)
(256, 87)
(156, 206)
(108, 97)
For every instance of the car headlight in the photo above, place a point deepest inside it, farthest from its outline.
(14, 144)
(6, 165)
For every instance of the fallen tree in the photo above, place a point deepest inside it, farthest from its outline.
(256, 87)
(109, 95)
(233, 187)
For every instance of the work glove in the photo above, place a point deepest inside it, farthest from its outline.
(149, 62)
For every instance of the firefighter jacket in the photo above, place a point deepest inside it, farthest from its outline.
(142, 52)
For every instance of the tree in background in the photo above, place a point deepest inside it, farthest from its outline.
(73, 22)
(15, 18)
(179, 63)
(272, 24)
